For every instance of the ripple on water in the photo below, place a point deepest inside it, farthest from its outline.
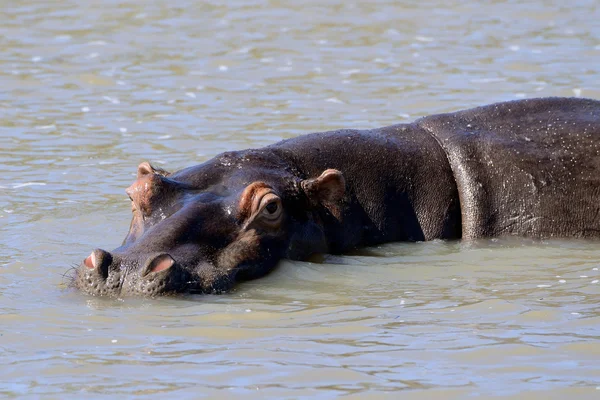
(91, 89)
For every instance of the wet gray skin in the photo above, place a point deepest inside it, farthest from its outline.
(526, 168)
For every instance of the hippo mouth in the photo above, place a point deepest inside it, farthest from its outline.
(106, 274)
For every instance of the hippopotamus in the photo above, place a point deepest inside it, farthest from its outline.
(526, 168)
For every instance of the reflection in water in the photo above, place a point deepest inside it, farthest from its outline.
(90, 89)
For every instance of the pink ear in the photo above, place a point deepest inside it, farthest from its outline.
(327, 190)
(329, 187)
(144, 169)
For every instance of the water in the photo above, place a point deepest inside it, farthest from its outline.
(90, 89)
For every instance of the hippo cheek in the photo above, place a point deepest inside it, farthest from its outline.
(97, 277)
(250, 256)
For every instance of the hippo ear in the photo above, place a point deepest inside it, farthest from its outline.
(328, 190)
(146, 168)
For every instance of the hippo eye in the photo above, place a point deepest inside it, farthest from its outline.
(270, 208)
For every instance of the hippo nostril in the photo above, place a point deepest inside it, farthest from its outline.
(89, 261)
(161, 262)
(99, 260)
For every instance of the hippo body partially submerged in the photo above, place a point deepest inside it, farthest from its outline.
(527, 168)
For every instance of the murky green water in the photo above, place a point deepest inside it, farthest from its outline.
(90, 89)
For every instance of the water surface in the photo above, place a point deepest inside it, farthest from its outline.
(91, 89)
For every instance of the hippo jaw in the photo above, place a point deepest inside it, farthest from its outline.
(186, 240)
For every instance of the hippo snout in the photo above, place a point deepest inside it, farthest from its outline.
(106, 274)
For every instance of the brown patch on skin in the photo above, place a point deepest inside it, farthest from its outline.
(259, 204)
(328, 189)
(244, 248)
(144, 191)
(141, 191)
(243, 252)
(146, 187)
(251, 195)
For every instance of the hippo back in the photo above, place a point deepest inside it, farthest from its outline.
(529, 167)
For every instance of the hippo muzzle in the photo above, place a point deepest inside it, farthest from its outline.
(105, 274)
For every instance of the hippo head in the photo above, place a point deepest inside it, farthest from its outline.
(203, 228)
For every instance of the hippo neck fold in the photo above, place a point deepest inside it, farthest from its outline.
(399, 183)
